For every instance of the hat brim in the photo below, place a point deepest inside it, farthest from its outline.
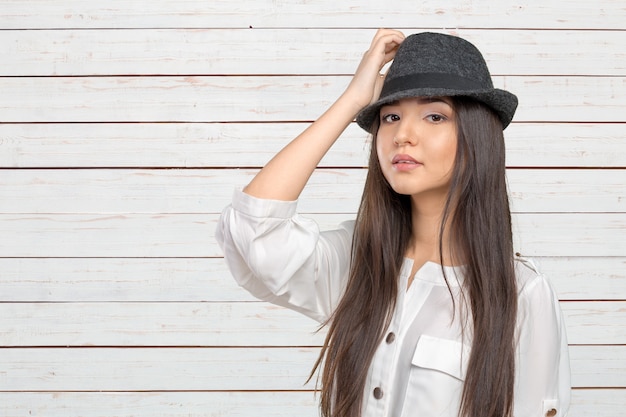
(501, 102)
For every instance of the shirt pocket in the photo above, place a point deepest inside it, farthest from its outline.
(444, 355)
(436, 378)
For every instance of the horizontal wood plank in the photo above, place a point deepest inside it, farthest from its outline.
(118, 280)
(227, 324)
(156, 369)
(565, 145)
(160, 404)
(181, 145)
(156, 324)
(27, 280)
(267, 98)
(160, 191)
(328, 191)
(595, 322)
(222, 369)
(579, 14)
(565, 191)
(287, 51)
(598, 402)
(586, 278)
(556, 234)
(585, 403)
(192, 235)
(202, 145)
(598, 366)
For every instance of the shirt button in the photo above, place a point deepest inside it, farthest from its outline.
(390, 337)
(378, 393)
(551, 412)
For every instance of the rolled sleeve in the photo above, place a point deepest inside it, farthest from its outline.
(282, 257)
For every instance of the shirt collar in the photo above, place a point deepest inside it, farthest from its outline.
(432, 272)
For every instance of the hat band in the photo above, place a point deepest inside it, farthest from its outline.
(430, 80)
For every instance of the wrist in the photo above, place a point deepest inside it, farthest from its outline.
(352, 102)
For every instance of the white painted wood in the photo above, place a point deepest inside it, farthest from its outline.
(565, 145)
(160, 404)
(287, 51)
(160, 324)
(593, 402)
(223, 369)
(598, 366)
(595, 322)
(156, 369)
(160, 191)
(566, 191)
(228, 324)
(192, 235)
(32, 280)
(183, 145)
(328, 191)
(585, 403)
(588, 234)
(266, 98)
(195, 145)
(21, 14)
(586, 278)
(123, 263)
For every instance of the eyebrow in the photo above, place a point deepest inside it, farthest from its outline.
(425, 100)
(434, 100)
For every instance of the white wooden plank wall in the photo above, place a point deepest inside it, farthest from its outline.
(125, 126)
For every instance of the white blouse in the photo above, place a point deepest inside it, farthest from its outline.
(419, 367)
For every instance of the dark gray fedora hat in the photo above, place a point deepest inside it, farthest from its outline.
(437, 65)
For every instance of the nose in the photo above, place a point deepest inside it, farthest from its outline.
(405, 134)
(403, 140)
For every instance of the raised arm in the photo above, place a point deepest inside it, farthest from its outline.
(284, 177)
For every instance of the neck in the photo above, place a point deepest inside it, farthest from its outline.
(427, 216)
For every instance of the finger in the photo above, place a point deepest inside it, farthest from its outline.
(391, 48)
(380, 33)
(387, 44)
(390, 55)
(382, 50)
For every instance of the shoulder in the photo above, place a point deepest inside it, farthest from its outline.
(348, 226)
(532, 285)
(526, 272)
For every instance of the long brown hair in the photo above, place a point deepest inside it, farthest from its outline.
(481, 231)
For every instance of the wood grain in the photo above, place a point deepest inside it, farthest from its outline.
(287, 51)
(269, 98)
(577, 14)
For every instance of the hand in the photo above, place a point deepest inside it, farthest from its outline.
(367, 82)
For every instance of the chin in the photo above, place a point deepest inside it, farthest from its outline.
(404, 189)
(436, 192)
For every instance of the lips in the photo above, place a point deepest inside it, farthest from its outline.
(404, 159)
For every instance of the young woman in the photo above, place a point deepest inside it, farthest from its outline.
(429, 312)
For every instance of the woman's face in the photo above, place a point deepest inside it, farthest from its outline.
(416, 144)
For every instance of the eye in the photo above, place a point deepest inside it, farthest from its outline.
(436, 118)
(389, 118)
